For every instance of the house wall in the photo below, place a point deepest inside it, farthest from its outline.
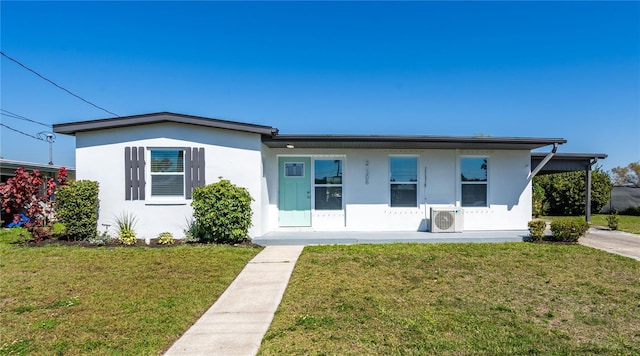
(229, 154)
(366, 190)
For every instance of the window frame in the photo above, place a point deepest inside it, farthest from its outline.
(150, 174)
(284, 167)
(328, 185)
(415, 183)
(485, 182)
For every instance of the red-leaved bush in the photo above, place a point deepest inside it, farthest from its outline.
(24, 194)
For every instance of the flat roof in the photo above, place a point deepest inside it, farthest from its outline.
(409, 141)
(565, 162)
(71, 128)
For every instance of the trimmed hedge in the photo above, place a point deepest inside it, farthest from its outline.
(569, 230)
(536, 229)
(76, 207)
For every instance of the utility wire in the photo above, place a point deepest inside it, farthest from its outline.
(20, 117)
(56, 85)
(18, 131)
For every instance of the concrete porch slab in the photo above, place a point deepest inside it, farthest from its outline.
(283, 238)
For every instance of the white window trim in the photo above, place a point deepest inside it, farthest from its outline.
(459, 182)
(314, 185)
(389, 182)
(164, 199)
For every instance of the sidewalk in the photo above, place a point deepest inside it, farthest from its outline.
(618, 242)
(238, 320)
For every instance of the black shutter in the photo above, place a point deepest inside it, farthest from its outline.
(194, 170)
(134, 183)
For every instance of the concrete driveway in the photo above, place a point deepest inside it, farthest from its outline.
(621, 243)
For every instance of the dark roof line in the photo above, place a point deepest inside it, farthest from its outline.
(570, 156)
(271, 138)
(412, 142)
(71, 128)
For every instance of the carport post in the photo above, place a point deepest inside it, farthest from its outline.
(587, 205)
(587, 208)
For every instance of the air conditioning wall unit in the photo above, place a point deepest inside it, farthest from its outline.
(447, 220)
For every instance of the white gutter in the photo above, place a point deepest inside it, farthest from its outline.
(544, 161)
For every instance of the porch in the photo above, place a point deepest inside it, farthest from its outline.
(282, 238)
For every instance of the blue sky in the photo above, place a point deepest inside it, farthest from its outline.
(533, 69)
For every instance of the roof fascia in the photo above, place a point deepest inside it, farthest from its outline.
(72, 128)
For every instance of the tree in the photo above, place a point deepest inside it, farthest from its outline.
(629, 175)
(565, 193)
(23, 194)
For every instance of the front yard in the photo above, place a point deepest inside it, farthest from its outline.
(122, 300)
(513, 298)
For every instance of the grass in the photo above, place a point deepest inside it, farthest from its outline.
(626, 223)
(458, 299)
(107, 301)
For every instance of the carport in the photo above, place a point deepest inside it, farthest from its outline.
(567, 162)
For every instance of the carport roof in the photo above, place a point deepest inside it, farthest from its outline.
(565, 162)
(410, 142)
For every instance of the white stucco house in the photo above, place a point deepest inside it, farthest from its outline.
(149, 164)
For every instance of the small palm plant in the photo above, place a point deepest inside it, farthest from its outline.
(126, 228)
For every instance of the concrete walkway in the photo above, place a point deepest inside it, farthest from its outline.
(238, 320)
(283, 238)
(618, 242)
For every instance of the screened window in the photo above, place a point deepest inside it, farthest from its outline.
(473, 178)
(403, 181)
(328, 184)
(167, 173)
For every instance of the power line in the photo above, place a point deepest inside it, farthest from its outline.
(20, 117)
(18, 131)
(56, 85)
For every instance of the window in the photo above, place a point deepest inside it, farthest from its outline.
(294, 169)
(403, 181)
(167, 172)
(328, 184)
(473, 178)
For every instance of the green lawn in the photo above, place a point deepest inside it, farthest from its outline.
(107, 301)
(626, 223)
(458, 299)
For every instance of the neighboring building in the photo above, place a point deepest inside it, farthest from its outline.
(622, 198)
(8, 169)
(149, 164)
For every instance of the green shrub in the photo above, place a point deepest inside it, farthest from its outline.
(126, 224)
(537, 200)
(565, 194)
(222, 211)
(58, 229)
(569, 230)
(633, 211)
(101, 240)
(165, 238)
(14, 235)
(77, 208)
(536, 229)
(612, 220)
(192, 232)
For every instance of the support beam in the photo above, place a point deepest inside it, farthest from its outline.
(544, 161)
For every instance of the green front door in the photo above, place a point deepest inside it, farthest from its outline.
(294, 201)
